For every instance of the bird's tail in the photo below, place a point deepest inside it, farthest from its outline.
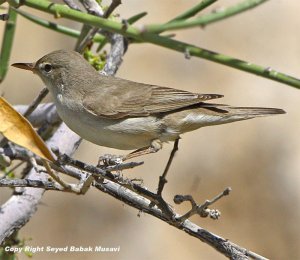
(215, 114)
(222, 114)
(250, 112)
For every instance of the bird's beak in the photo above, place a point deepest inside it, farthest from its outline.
(25, 66)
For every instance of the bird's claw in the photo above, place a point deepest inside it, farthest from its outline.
(109, 160)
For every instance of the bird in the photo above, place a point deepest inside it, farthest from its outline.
(127, 115)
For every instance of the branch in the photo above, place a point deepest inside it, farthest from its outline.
(127, 194)
(205, 19)
(92, 7)
(201, 210)
(182, 47)
(114, 4)
(13, 183)
(222, 245)
(138, 197)
(17, 211)
(113, 62)
(56, 27)
(72, 4)
(88, 31)
(43, 114)
(43, 93)
(193, 11)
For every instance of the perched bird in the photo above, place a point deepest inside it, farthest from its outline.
(127, 115)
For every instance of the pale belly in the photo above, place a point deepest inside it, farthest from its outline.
(127, 134)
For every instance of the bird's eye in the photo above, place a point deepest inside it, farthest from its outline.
(47, 67)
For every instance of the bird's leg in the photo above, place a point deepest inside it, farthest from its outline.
(162, 178)
(156, 145)
(161, 203)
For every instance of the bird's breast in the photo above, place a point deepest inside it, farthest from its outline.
(124, 134)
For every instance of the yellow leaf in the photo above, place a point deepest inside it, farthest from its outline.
(18, 130)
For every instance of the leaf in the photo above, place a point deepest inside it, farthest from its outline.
(18, 130)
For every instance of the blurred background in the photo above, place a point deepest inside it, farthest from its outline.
(258, 158)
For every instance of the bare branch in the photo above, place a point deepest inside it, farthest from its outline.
(47, 185)
(43, 114)
(43, 93)
(114, 60)
(141, 198)
(72, 4)
(92, 7)
(114, 4)
(17, 211)
(201, 210)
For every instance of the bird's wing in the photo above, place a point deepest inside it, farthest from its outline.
(119, 98)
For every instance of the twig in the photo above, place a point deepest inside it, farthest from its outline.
(155, 199)
(222, 245)
(114, 4)
(44, 113)
(114, 60)
(43, 93)
(92, 7)
(201, 210)
(56, 27)
(5, 160)
(55, 177)
(90, 35)
(193, 11)
(88, 32)
(91, 32)
(205, 19)
(47, 185)
(72, 4)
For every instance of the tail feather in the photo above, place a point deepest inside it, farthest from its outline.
(222, 114)
(215, 114)
(253, 111)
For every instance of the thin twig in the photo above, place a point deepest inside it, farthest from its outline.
(43, 93)
(55, 177)
(118, 49)
(48, 185)
(92, 7)
(91, 34)
(114, 4)
(205, 19)
(72, 4)
(88, 32)
(55, 26)
(193, 11)
(201, 210)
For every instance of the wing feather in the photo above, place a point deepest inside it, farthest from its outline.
(119, 98)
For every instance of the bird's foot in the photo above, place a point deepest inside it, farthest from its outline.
(109, 160)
